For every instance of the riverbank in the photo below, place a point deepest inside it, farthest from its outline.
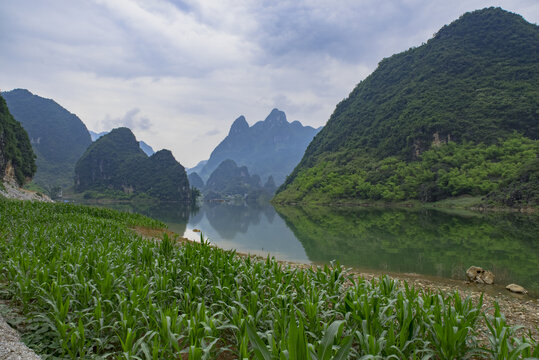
(11, 190)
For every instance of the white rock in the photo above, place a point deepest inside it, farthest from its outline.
(516, 289)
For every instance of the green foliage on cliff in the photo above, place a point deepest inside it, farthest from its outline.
(115, 162)
(15, 148)
(443, 171)
(58, 137)
(474, 82)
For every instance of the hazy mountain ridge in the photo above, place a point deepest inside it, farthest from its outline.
(270, 147)
(195, 180)
(434, 121)
(58, 137)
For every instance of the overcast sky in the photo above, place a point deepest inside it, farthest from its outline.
(179, 72)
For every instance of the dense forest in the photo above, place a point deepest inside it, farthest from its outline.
(457, 115)
(443, 171)
(15, 147)
(115, 166)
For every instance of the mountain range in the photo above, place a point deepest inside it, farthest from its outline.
(58, 137)
(268, 148)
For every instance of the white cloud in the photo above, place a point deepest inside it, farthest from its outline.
(192, 67)
(131, 119)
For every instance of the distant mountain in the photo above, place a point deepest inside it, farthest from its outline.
(231, 179)
(116, 162)
(145, 147)
(58, 137)
(458, 115)
(270, 147)
(96, 136)
(17, 159)
(198, 167)
(195, 181)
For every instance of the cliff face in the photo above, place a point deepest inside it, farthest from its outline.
(115, 161)
(17, 160)
(268, 148)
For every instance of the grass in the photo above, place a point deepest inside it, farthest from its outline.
(90, 287)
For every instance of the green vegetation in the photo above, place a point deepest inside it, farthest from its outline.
(422, 241)
(92, 288)
(15, 148)
(471, 86)
(58, 137)
(115, 166)
(447, 170)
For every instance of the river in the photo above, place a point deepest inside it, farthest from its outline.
(441, 243)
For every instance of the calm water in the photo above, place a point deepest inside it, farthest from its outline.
(428, 242)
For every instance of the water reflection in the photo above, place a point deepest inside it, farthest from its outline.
(255, 229)
(427, 242)
(174, 214)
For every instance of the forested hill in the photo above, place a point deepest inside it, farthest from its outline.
(431, 122)
(58, 137)
(16, 155)
(115, 164)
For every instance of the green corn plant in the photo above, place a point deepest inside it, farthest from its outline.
(89, 287)
(503, 344)
(451, 324)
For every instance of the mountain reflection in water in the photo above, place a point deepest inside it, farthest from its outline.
(422, 241)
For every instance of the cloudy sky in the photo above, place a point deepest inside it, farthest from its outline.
(178, 72)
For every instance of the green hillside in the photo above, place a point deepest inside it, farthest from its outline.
(115, 165)
(15, 150)
(58, 137)
(457, 115)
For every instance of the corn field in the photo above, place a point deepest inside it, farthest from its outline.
(90, 287)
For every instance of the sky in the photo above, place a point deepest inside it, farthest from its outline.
(179, 72)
